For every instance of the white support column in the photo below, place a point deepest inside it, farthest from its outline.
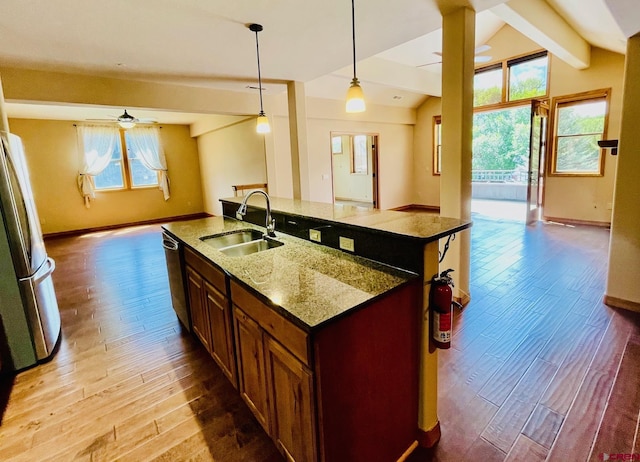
(458, 38)
(298, 138)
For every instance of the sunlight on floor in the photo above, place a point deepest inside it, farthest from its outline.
(504, 210)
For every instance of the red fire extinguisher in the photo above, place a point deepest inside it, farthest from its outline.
(440, 302)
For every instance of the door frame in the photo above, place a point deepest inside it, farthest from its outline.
(539, 114)
(374, 162)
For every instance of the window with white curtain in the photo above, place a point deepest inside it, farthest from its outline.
(126, 169)
(117, 159)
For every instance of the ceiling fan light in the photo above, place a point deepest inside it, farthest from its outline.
(355, 97)
(262, 124)
(126, 125)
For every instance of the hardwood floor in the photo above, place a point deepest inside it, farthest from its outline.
(127, 383)
(539, 368)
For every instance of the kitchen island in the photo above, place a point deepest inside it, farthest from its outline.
(323, 345)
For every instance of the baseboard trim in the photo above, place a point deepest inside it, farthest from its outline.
(569, 221)
(429, 438)
(616, 302)
(408, 452)
(426, 208)
(77, 232)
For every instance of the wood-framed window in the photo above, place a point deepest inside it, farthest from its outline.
(578, 122)
(125, 171)
(437, 144)
(516, 79)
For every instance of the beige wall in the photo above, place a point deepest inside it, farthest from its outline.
(230, 156)
(53, 159)
(587, 198)
(623, 289)
(577, 198)
(427, 185)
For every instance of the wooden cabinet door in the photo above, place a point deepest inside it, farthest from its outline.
(199, 313)
(252, 380)
(291, 400)
(221, 331)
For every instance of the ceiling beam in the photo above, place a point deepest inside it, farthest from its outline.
(538, 21)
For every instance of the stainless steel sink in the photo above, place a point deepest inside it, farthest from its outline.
(247, 248)
(219, 241)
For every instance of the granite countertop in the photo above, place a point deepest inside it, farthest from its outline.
(308, 283)
(426, 227)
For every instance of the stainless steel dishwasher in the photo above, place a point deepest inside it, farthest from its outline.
(172, 253)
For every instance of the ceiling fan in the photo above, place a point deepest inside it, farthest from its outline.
(126, 120)
(477, 58)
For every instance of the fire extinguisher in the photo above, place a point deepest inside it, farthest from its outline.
(440, 302)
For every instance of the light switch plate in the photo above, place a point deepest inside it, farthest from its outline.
(347, 244)
(315, 235)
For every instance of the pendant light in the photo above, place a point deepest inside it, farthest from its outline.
(262, 125)
(355, 96)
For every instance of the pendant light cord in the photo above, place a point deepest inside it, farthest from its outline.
(259, 75)
(353, 30)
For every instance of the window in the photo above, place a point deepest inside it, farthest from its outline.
(437, 144)
(528, 77)
(516, 79)
(360, 159)
(111, 177)
(579, 122)
(128, 171)
(487, 86)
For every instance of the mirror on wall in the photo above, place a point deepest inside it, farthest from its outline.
(353, 167)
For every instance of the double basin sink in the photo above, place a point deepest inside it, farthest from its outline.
(241, 242)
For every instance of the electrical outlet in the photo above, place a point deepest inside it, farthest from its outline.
(315, 235)
(347, 244)
(609, 205)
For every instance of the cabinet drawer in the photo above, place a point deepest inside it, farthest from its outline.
(292, 337)
(212, 274)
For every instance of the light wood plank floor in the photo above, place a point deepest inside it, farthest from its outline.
(539, 369)
(127, 383)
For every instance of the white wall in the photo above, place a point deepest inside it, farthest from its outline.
(229, 156)
(392, 125)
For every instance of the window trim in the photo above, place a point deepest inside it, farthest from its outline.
(505, 65)
(604, 93)
(126, 170)
(437, 145)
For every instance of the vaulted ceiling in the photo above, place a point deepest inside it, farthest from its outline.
(207, 43)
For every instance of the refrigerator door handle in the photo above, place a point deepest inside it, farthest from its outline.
(169, 243)
(43, 272)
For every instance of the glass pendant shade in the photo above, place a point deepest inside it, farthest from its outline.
(126, 125)
(355, 97)
(262, 125)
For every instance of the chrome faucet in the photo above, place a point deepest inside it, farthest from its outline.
(270, 222)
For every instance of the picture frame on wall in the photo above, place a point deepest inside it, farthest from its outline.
(336, 145)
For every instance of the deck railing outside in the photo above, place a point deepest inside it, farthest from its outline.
(499, 176)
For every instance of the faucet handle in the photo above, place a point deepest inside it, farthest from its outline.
(241, 212)
(271, 228)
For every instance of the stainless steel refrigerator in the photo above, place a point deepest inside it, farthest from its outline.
(29, 315)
